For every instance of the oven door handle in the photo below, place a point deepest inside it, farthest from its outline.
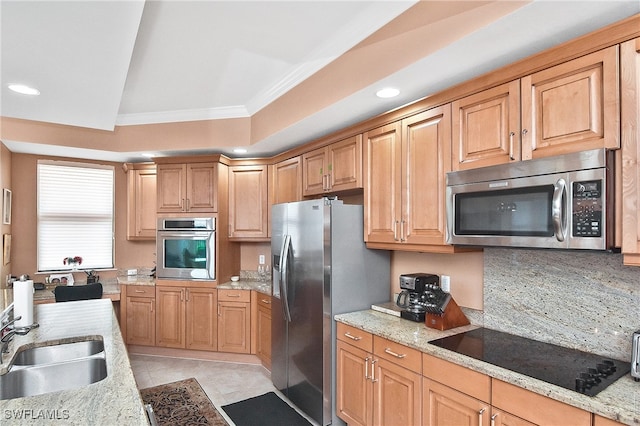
(559, 209)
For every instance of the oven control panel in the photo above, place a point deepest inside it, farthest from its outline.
(587, 205)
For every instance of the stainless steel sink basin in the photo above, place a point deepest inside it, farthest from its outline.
(58, 352)
(45, 378)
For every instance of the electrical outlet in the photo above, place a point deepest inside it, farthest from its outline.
(445, 283)
(131, 272)
(261, 259)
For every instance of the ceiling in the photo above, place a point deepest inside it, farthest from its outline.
(106, 64)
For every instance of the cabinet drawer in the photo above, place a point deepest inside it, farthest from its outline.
(264, 301)
(405, 356)
(355, 336)
(234, 295)
(471, 382)
(141, 291)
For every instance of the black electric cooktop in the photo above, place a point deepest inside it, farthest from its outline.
(569, 368)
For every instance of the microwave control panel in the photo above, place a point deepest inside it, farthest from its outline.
(587, 209)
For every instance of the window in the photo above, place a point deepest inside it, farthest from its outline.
(75, 215)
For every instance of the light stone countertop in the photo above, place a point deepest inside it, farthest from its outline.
(114, 400)
(620, 401)
(263, 287)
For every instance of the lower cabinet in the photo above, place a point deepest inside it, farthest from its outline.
(377, 381)
(262, 328)
(186, 318)
(234, 321)
(139, 314)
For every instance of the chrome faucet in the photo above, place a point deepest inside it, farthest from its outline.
(6, 326)
(5, 338)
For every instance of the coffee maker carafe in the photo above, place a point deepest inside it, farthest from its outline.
(417, 292)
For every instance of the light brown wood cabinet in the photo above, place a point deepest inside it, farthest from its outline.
(234, 321)
(286, 181)
(137, 304)
(248, 202)
(630, 182)
(186, 318)
(141, 201)
(566, 108)
(187, 188)
(334, 168)
(262, 328)
(377, 381)
(405, 167)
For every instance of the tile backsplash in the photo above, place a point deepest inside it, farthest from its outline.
(579, 299)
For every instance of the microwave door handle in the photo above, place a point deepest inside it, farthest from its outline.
(284, 276)
(558, 209)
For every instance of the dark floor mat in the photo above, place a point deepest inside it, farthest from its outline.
(267, 409)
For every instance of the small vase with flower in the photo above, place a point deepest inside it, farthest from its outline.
(73, 262)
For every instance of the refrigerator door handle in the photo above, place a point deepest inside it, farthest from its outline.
(284, 276)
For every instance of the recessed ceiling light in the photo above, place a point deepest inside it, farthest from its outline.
(240, 150)
(387, 92)
(24, 89)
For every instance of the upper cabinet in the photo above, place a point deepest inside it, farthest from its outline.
(630, 111)
(187, 188)
(334, 168)
(141, 201)
(248, 202)
(286, 181)
(567, 108)
(405, 166)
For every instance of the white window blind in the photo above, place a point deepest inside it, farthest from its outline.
(75, 215)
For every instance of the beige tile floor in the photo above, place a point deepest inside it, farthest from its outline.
(223, 382)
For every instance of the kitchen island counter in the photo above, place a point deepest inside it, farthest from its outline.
(620, 401)
(113, 400)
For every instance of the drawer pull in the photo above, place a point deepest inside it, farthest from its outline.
(265, 301)
(352, 337)
(390, 352)
(140, 291)
(233, 295)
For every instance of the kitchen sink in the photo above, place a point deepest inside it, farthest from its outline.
(53, 377)
(58, 352)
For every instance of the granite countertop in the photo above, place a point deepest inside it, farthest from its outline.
(620, 401)
(114, 400)
(263, 287)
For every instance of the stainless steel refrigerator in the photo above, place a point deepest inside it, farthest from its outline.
(321, 268)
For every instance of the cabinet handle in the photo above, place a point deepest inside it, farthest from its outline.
(373, 371)
(511, 136)
(181, 295)
(265, 301)
(482, 410)
(493, 419)
(233, 295)
(352, 337)
(218, 309)
(183, 204)
(139, 291)
(329, 181)
(187, 291)
(188, 204)
(390, 352)
(402, 235)
(366, 368)
(395, 230)
(153, 305)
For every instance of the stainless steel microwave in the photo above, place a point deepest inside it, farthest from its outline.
(562, 202)
(186, 248)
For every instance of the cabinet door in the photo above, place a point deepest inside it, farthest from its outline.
(445, 406)
(572, 107)
(141, 204)
(425, 159)
(354, 390)
(171, 186)
(286, 181)
(382, 195)
(263, 330)
(201, 192)
(397, 395)
(248, 202)
(141, 321)
(344, 168)
(170, 324)
(486, 127)
(202, 321)
(234, 327)
(630, 111)
(314, 169)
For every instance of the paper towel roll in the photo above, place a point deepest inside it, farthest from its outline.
(23, 302)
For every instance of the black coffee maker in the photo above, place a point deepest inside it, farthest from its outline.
(418, 295)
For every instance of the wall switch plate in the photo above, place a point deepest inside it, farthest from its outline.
(261, 259)
(445, 283)
(131, 272)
